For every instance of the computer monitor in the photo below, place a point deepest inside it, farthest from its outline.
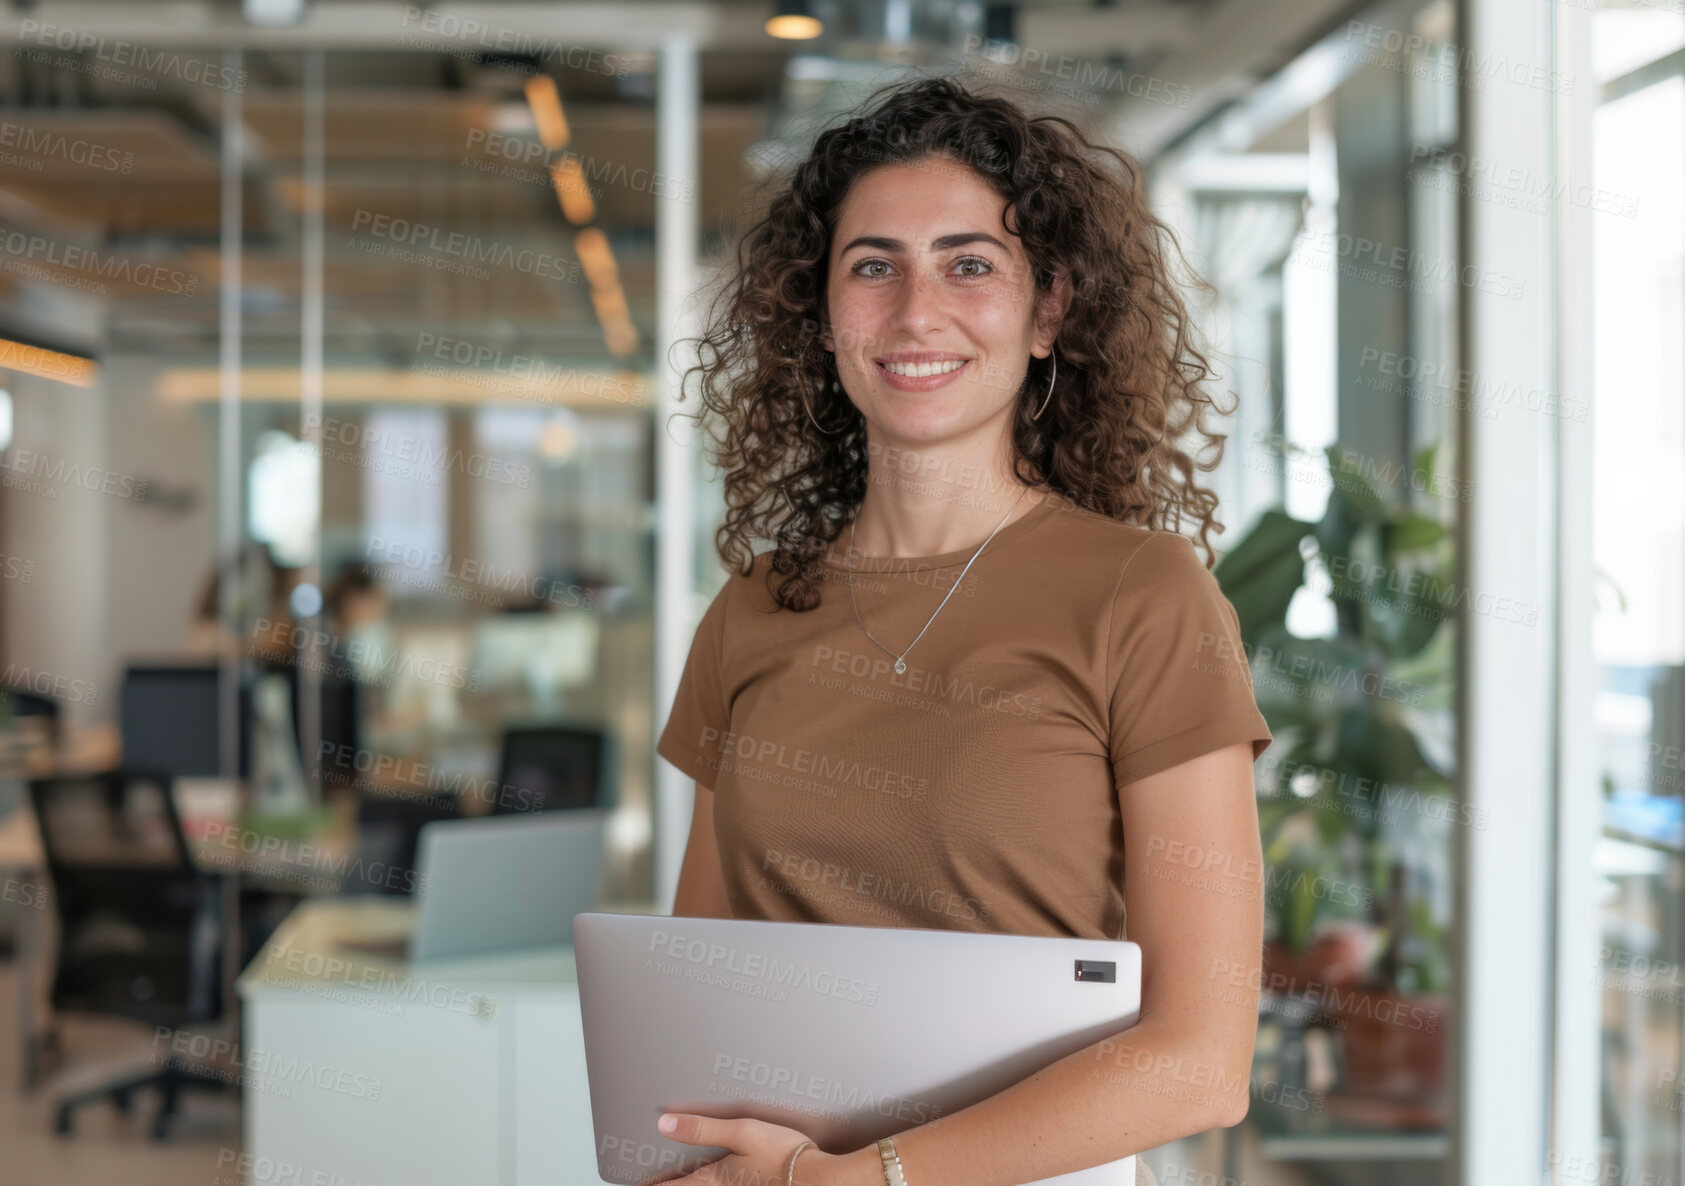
(550, 768)
(171, 721)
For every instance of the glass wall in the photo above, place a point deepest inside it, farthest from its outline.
(1323, 207)
(360, 423)
(1638, 629)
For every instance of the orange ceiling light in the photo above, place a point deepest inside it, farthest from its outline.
(575, 196)
(546, 103)
(26, 359)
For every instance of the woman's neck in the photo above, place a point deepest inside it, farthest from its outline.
(932, 501)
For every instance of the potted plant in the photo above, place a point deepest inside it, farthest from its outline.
(1355, 800)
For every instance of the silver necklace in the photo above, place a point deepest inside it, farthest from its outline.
(901, 659)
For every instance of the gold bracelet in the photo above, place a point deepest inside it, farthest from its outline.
(891, 1163)
(790, 1176)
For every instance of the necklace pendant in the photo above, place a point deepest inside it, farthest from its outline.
(900, 667)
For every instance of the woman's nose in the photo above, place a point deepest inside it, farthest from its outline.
(919, 302)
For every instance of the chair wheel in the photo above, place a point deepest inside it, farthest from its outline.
(61, 1123)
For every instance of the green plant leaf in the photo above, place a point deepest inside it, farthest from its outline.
(1411, 532)
(1262, 572)
(1355, 489)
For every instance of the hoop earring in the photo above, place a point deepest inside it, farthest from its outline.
(827, 431)
(1050, 379)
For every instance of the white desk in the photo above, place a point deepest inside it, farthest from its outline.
(362, 1069)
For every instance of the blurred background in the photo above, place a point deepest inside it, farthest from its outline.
(338, 494)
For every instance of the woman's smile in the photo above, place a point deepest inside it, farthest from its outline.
(921, 376)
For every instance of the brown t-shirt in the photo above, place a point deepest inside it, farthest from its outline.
(978, 790)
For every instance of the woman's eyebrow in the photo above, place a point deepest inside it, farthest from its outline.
(942, 244)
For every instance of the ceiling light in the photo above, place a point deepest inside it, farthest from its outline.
(273, 13)
(794, 21)
(29, 358)
(546, 104)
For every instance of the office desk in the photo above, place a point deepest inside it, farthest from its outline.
(291, 867)
(357, 1068)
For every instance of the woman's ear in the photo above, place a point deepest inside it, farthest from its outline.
(1051, 309)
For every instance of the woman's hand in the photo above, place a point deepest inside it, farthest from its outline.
(760, 1152)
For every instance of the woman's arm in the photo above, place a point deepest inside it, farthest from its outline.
(701, 891)
(1194, 894)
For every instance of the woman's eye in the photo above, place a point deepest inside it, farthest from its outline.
(859, 268)
(975, 261)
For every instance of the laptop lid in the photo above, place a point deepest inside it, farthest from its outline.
(846, 1033)
(506, 881)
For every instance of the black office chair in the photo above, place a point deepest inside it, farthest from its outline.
(21, 702)
(388, 835)
(550, 768)
(140, 928)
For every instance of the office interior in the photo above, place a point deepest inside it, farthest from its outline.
(341, 493)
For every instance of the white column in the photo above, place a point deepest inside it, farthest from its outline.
(231, 476)
(1502, 1025)
(1578, 1022)
(312, 302)
(676, 235)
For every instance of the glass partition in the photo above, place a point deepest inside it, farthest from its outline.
(1638, 630)
(1324, 210)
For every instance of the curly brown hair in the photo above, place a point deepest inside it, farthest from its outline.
(1130, 379)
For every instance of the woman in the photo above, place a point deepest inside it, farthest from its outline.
(982, 682)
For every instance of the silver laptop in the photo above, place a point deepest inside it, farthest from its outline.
(500, 883)
(847, 1033)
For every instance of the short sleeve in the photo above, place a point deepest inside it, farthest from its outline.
(1180, 678)
(701, 715)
